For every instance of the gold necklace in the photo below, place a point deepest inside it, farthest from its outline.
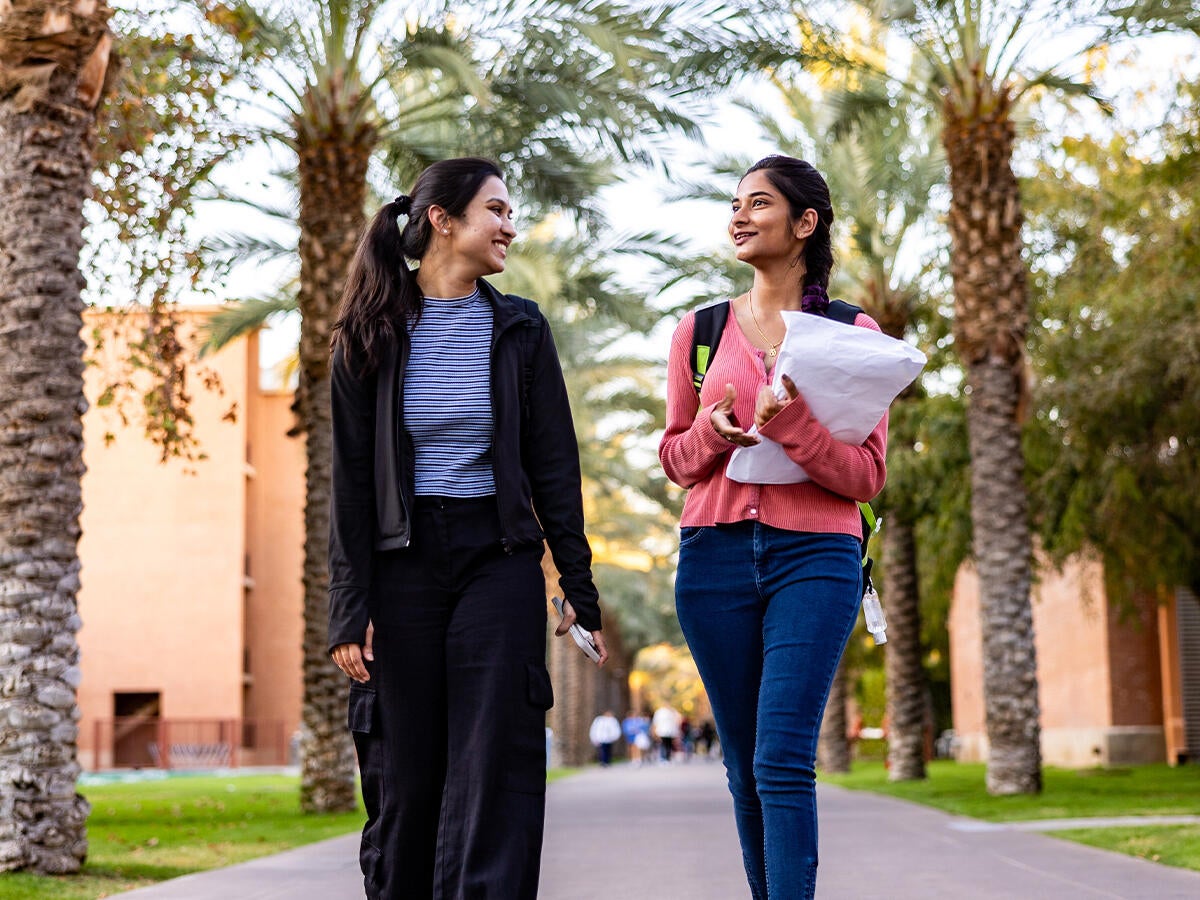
(774, 346)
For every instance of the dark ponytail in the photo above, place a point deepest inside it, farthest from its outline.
(381, 299)
(804, 188)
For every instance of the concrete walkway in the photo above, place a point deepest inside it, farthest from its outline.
(667, 833)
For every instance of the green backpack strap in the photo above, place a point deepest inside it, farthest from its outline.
(706, 335)
(870, 526)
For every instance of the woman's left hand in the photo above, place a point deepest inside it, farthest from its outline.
(768, 405)
(568, 620)
(601, 647)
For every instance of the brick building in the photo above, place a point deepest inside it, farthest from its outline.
(191, 599)
(1119, 680)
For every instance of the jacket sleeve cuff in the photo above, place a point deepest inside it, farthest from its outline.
(348, 616)
(587, 614)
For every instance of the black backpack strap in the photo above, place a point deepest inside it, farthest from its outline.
(706, 335)
(841, 311)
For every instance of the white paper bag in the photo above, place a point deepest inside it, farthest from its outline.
(848, 375)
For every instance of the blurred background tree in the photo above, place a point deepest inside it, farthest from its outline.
(1113, 443)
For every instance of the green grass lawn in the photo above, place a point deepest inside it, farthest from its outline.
(959, 788)
(149, 831)
(1172, 845)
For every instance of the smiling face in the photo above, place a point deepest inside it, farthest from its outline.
(481, 235)
(761, 225)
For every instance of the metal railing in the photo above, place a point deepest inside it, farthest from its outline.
(147, 742)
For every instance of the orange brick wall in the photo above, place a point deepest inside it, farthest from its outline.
(275, 548)
(966, 661)
(165, 601)
(1136, 667)
(1099, 675)
(1070, 621)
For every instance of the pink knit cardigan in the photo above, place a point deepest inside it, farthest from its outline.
(694, 456)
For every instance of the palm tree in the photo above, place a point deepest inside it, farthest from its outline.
(54, 63)
(982, 56)
(338, 74)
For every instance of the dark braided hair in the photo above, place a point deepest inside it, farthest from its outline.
(804, 188)
(381, 297)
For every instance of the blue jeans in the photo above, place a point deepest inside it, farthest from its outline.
(767, 613)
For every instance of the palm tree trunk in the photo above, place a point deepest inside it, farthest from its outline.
(576, 683)
(53, 62)
(833, 747)
(991, 318)
(333, 180)
(906, 688)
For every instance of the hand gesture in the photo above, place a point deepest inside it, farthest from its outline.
(725, 423)
(349, 657)
(568, 620)
(768, 405)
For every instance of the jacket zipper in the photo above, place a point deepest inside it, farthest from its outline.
(399, 438)
(505, 542)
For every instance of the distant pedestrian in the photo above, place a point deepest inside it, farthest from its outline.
(706, 739)
(636, 729)
(665, 726)
(605, 732)
(770, 575)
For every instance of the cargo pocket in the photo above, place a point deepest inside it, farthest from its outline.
(361, 716)
(369, 860)
(368, 746)
(526, 769)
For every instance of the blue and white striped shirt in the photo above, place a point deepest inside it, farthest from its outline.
(447, 397)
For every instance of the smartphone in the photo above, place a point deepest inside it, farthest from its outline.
(583, 639)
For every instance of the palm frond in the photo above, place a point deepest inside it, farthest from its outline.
(236, 248)
(1066, 87)
(242, 317)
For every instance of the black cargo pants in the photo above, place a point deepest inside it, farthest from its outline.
(450, 730)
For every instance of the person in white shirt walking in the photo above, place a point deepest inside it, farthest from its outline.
(605, 732)
(665, 725)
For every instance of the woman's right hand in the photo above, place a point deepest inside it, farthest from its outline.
(725, 423)
(349, 657)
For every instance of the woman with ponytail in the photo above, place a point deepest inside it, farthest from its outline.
(769, 578)
(451, 427)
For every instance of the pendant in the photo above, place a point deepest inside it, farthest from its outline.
(771, 353)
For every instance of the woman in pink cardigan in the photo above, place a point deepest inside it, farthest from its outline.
(769, 579)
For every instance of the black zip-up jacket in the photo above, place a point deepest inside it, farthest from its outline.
(535, 464)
